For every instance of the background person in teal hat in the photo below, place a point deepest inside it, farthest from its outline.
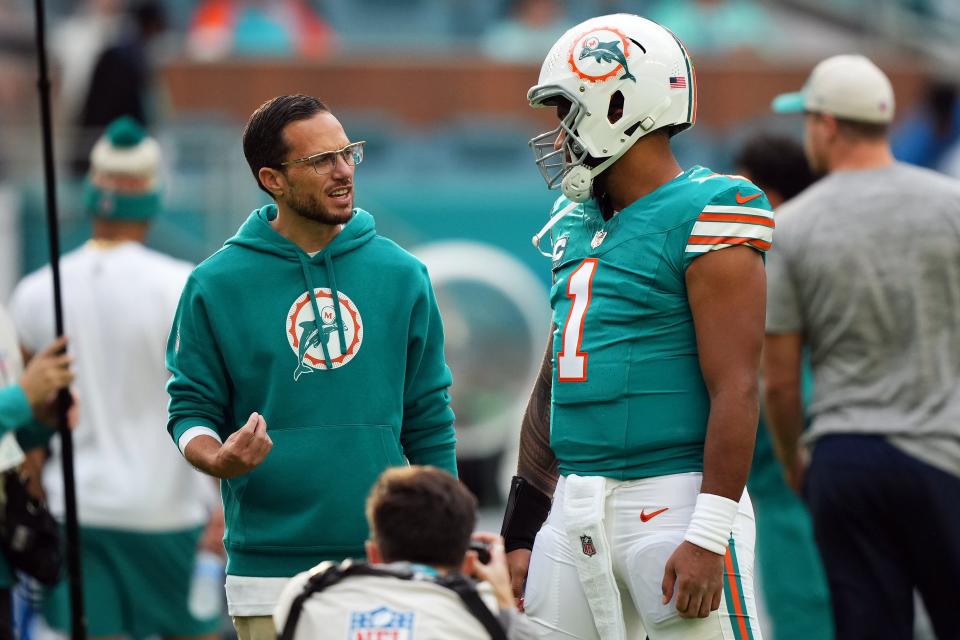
(310, 322)
(123, 184)
(143, 510)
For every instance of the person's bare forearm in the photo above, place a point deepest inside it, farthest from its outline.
(783, 409)
(783, 398)
(537, 464)
(201, 452)
(731, 435)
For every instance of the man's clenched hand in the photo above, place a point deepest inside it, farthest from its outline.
(239, 454)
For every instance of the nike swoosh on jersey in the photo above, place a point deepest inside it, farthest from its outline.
(646, 517)
(745, 199)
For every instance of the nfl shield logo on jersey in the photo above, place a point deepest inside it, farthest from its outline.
(382, 623)
(586, 543)
(598, 239)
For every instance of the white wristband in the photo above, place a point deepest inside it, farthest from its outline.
(712, 522)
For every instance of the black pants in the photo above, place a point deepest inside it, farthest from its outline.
(886, 524)
(6, 615)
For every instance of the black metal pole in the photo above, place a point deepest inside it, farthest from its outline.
(77, 620)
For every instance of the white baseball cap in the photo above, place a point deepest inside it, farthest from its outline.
(847, 86)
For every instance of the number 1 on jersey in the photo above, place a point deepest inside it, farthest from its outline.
(571, 362)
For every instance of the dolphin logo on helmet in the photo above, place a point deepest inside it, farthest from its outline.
(577, 71)
(606, 52)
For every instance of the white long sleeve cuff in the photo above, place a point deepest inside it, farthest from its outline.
(193, 432)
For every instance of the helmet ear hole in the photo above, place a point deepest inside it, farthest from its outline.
(615, 109)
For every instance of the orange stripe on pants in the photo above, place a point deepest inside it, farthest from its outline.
(735, 595)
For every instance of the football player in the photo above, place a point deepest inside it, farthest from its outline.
(638, 437)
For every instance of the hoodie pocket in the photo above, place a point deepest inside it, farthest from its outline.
(310, 492)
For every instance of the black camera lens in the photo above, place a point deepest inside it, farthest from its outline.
(483, 551)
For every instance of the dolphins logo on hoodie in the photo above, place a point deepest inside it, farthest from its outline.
(312, 335)
(318, 345)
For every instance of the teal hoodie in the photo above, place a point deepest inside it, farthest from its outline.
(362, 390)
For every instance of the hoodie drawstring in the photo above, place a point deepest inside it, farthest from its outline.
(311, 291)
(332, 279)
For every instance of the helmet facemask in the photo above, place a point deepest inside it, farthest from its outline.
(555, 163)
(571, 167)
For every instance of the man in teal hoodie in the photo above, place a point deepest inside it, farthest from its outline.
(310, 322)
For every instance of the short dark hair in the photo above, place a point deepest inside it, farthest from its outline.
(263, 142)
(423, 515)
(775, 163)
(860, 130)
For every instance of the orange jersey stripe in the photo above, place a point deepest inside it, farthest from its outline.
(736, 217)
(735, 595)
(759, 244)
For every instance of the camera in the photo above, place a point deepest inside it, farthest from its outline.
(482, 549)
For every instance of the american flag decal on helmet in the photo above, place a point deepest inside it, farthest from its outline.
(678, 82)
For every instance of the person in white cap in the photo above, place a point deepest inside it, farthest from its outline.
(866, 274)
(142, 509)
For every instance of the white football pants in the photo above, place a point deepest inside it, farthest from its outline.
(637, 551)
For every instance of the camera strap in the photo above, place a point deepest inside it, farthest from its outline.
(328, 574)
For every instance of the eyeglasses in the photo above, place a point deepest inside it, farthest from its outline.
(326, 161)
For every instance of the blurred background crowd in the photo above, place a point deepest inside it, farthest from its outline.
(437, 89)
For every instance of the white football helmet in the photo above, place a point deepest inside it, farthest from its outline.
(589, 66)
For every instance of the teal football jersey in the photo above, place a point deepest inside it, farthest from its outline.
(629, 400)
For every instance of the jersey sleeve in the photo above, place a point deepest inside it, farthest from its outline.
(738, 216)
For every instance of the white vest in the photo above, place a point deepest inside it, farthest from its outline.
(374, 607)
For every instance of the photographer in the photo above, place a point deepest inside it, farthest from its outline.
(421, 520)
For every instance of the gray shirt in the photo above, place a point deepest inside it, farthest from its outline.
(866, 265)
